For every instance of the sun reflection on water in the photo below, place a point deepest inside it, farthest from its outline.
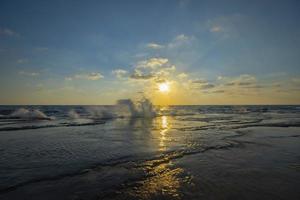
(163, 181)
(161, 177)
(164, 128)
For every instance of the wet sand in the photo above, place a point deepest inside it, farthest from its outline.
(250, 163)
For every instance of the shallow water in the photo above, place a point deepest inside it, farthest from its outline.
(181, 152)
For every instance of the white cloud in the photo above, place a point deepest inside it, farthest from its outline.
(154, 46)
(180, 41)
(93, 76)
(152, 63)
(153, 69)
(8, 32)
(220, 77)
(22, 61)
(165, 72)
(68, 78)
(29, 73)
(182, 75)
(119, 73)
(216, 29)
(242, 80)
(181, 37)
(226, 26)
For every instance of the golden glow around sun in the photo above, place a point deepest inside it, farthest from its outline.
(164, 87)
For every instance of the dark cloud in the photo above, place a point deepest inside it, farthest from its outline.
(159, 80)
(201, 84)
(218, 91)
(199, 81)
(244, 83)
(141, 77)
(207, 86)
(254, 86)
(230, 84)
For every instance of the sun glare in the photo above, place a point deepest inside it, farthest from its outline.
(164, 87)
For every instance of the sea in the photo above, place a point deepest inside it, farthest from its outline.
(135, 150)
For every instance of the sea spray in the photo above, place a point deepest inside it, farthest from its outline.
(123, 108)
(73, 114)
(142, 108)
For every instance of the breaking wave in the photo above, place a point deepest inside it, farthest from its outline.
(122, 109)
(101, 112)
(34, 114)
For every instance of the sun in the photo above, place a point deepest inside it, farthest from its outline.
(164, 87)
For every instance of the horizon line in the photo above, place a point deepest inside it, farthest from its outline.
(153, 104)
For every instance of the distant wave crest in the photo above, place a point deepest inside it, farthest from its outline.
(23, 113)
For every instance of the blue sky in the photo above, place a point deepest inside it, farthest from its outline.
(47, 47)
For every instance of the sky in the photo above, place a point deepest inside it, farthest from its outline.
(210, 52)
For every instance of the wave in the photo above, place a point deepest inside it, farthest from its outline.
(101, 113)
(16, 128)
(179, 112)
(83, 124)
(34, 114)
(280, 124)
(123, 108)
(239, 125)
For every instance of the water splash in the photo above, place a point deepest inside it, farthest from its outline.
(142, 108)
(73, 114)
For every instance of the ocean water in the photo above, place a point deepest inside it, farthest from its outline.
(149, 152)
